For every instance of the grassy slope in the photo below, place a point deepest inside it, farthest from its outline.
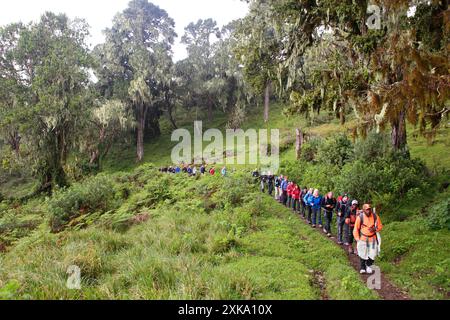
(414, 257)
(254, 249)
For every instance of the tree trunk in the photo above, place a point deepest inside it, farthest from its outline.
(267, 102)
(14, 142)
(398, 136)
(298, 147)
(171, 119)
(140, 127)
(342, 116)
(210, 109)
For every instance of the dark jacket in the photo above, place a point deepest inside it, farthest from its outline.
(343, 207)
(329, 202)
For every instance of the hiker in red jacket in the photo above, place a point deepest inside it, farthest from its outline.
(296, 198)
(212, 171)
(289, 190)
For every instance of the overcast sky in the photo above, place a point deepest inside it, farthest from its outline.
(99, 13)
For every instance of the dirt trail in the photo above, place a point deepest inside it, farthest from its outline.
(388, 290)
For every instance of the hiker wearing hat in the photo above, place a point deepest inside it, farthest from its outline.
(350, 220)
(366, 233)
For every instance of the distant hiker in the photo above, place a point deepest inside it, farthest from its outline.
(302, 201)
(203, 169)
(224, 171)
(366, 233)
(185, 169)
(296, 198)
(284, 185)
(289, 189)
(350, 220)
(263, 181)
(316, 205)
(212, 171)
(278, 181)
(194, 171)
(308, 200)
(177, 169)
(329, 204)
(189, 171)
(270, 182)
(341, 209)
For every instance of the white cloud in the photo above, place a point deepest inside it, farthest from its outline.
(99, 13)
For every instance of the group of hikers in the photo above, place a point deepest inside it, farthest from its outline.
(192, 170)
(354, 225)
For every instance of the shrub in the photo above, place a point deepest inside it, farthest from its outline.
(310, 149)
(293, 169)
(389, 177)
(439, 217)
(320, 177)
(374, 147)
(335, 151)
(94, 194)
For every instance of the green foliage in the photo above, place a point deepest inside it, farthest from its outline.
(439, 214)
(335, 151)
(375, 146)
(310, 150)
(94, 194)
(9, 290)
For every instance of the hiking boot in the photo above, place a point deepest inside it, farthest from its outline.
(313, 225)
(324, 230)
(320, 226)
(346, 244)
(369, 270)
(329, 235)
(362, 271)
(340, 243)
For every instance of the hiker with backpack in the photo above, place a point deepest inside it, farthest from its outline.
(284, 196)
(270, 182)
(307, 199)
(350, 220)
(302, 202)
(316, 206)
(278, 181)
(366, 233)
(289, 189)
(263, 181)
(341, 209)
(296, 198)
(224, 171)
(212, 171)
(329, 204)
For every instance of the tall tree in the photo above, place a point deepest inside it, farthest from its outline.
(48, 74)
(207, 81)
(134, 63)
(259, 50)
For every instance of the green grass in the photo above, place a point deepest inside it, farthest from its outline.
(205, 241)
(254, 249)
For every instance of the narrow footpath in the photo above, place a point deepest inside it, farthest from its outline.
(388, 291)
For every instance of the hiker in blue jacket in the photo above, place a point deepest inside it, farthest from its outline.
(307, 199)
(316, 205)
(284, 185)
